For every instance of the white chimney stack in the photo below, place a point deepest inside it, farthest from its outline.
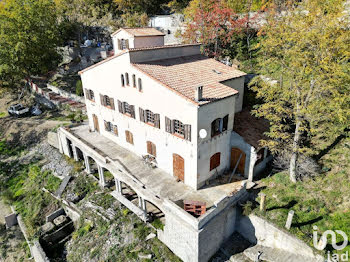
(198, 93)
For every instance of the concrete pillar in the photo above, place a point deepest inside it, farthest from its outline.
(289, 219)
(87, 163)
(144, 208)
(140, 202)
(75, 153)
(101, 175)
(118, 186)
(252, 160)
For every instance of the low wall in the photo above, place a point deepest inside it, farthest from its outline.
(261, 232)
(66, 94)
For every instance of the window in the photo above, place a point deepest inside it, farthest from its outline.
(179, 128)
(224, 123)
(91, 95)
(122, 79)
(115, 130)
(219, 125)
(140, 84)
(126, 109)
(108, 126)
(123, 44)
(133, 80)
(215, 161)
(215, 127)
(151, 148)
(127, 78)
(107, 101)
(149, 116)
(129, 137)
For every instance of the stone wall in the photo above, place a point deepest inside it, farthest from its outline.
(261, 232)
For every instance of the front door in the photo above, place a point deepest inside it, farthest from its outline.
(235, 154)
(179, 167)
(96, 126)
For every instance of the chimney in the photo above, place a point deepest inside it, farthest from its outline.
(198, 96)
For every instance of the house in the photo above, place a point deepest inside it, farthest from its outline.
(175, 109)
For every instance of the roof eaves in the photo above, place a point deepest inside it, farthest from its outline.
(102, 62)
(161, 47)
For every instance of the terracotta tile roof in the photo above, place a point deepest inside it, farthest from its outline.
(141, 31)
(161, 47)
(252, 129)
(185, 74)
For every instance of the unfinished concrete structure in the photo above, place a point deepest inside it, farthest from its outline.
(146, 107)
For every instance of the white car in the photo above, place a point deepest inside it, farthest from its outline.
(18, 110)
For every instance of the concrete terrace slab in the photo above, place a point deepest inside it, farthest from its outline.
(156, 180)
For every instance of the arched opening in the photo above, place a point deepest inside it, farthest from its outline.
(238, 159)
(155, 215)
(129, 193)
(93, 167)
(109, 178)
(70, 148)
(122, 80)
(80, 154)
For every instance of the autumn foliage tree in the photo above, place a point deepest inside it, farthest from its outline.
(304, 58)
(221, 31)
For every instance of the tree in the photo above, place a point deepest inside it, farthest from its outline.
(28, 39)
(221, 31)
(307, 52)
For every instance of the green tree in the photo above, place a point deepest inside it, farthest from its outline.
(28, 39)
(307, 52)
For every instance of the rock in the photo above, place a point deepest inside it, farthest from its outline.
(142, 256)
(47, 227)
(60, 220)
(150, 236)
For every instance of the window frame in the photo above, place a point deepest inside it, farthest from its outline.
(127, 79)
(122, 80)
(150, 117)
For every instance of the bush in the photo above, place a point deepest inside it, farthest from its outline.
(79, 88)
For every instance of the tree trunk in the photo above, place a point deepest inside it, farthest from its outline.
(295, 153)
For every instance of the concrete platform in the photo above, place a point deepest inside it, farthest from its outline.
(156, 180)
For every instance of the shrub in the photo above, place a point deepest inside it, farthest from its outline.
(79, 88)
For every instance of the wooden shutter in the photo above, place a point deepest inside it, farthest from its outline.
(115, 130)
(187, 132)
(106, 125)
(145, 116)
(167, 125)
(172, 126)
(225, 123)
(127, 43)
(129, 137)
(215, 161)
(157, 120)
(149, 147)
(119, 44)
(112, 103)
(120, 107)
(132, 111)
(142, 116)
(127, 79)
(102, 100)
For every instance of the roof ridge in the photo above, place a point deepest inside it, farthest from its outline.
(160, 47)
